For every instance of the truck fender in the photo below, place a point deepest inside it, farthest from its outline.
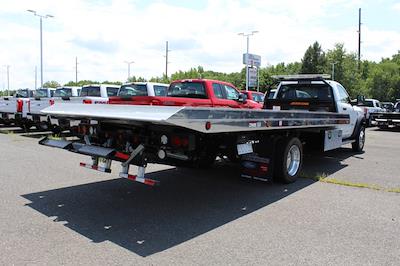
(360, 122)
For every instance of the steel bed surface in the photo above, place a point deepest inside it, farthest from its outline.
(205, 120)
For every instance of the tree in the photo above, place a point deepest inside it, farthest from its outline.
(314, 60)
(51, 84)
(81, 83)
(136, 79)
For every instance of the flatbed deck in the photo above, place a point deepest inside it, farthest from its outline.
(204, 120)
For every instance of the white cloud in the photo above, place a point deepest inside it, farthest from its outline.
(396, 7)
(103, 36)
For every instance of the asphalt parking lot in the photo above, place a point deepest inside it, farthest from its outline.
(55, 212)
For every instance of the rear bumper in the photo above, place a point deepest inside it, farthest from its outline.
(7, 116)
(388, 122)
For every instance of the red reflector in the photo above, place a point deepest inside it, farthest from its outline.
(208, 125)
(121, 155)
(176, 141)
(20, 105)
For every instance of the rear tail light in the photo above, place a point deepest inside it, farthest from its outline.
(20, 105)
(155, 102)
(179, 141)
(51, 102)
(87, 101)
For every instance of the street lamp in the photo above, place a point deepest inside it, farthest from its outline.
(8, 79)
(41, 42)
(247, 35)
(129, 68)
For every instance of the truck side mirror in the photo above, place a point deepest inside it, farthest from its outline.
(360, 99)
(242, 98)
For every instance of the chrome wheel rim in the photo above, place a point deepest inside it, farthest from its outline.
(293, 160)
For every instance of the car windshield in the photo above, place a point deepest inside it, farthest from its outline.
(93, 91)
(133, 90)
(21, 94)
(320, 92)
(187, 89)
(258, 97)
(368, 103)
(41, 93)
(63, 92)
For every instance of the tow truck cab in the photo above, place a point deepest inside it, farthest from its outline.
(314, 93)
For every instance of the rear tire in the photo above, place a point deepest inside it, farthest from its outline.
(358, 145)
(289, 159)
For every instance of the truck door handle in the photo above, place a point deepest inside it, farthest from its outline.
(344, 108)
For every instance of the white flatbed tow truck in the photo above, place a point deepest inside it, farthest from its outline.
(306, 111)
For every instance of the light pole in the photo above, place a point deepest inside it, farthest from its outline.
(41, 42)
(129, 68)
(8, 79)
(247, 35)
(333, 70)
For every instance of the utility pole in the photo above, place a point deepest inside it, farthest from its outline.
(166, 59)
(76, 70)
(359, 38)
(35, 77)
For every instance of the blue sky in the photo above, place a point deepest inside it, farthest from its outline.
(103, 34)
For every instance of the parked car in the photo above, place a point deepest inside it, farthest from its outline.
(11, 108)
(370, 106)
(387, 106)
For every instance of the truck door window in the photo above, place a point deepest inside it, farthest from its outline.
(111, 91)
(160, 90)
(218, 91)
(63, 92)
(231, 93)
(92, 91)
(343, 96)
(258, 97)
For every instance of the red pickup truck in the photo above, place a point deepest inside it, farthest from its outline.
(194, 92)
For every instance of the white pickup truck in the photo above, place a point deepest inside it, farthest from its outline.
(88, 94)
(305, 111)
(370, 106)
(11, 108)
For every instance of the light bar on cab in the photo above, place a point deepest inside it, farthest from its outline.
(302, 77)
